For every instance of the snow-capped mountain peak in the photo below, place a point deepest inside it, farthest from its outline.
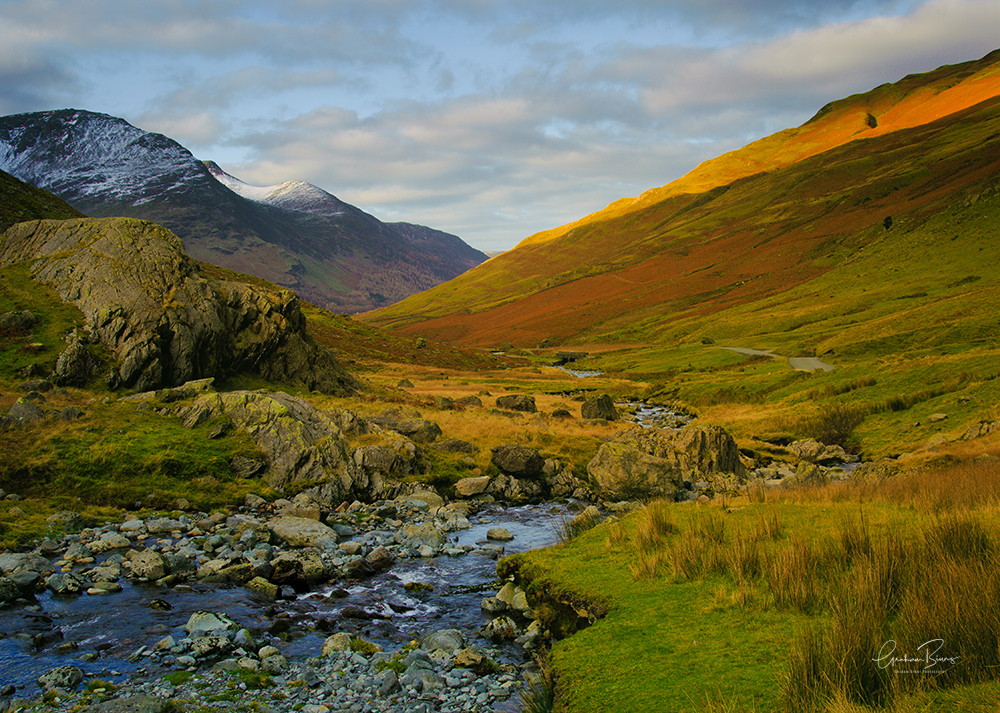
(291, 195)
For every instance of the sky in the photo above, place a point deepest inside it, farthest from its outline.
(489, 119)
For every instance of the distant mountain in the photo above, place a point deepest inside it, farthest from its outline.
(876, 219)
(295, 234)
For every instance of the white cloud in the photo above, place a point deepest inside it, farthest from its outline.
(492, 119)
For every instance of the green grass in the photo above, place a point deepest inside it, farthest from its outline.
(115, 457)
(41, 345)
(778, 605)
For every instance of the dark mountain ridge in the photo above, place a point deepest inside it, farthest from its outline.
(343, 259)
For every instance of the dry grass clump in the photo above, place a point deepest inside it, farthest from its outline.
(908, 611)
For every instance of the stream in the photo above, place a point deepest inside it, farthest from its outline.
(60, 630)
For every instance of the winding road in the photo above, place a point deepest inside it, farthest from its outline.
(797, 363)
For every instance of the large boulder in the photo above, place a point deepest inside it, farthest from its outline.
(517, 402)
(648, 462)
(301, 442)
(163, 319)
(623, 472)
(65, 677)
(601, 407)
(300, 569)
(518, 461)
(419, 430)
(17, 322)
(302, 531)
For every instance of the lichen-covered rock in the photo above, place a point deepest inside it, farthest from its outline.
(518, 461)
(517, 402)
(300, 441)
(601, 407)
(164, 320)
(24, 411)
(649, 462)
(301, 531)
(66, 677)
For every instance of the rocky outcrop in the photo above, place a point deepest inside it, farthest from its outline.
(648, 462)
(164, 320)
(517, 402)
(517, 460)
(306, 447)
(601, 407)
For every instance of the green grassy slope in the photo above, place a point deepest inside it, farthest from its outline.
(804, 201)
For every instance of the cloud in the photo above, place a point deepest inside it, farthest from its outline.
(492, 119)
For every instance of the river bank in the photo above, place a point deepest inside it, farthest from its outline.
(388, 613)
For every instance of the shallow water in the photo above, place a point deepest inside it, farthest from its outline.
(116, 625)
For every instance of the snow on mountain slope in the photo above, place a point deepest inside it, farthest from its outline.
(83, 156)
(292, 195)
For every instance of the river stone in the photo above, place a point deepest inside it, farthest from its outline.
(351, 547)
(499, 534)
(472, 658)
(65, 583)
(148, 564)
(209, 646)
(341, 641)
(602, 407)
(133, 704)
(380, 558)
(421, 679)
(301, 531)
(165, 644)
(423, 534)
(503, 628)
(203, 623)
(517, 402)
(519, 603)
(387, 682)
(162, 525)
(517, 460)
(274, 664)
(263, 588)
(67, 677)
(8, 590)
(447, 640)
(429, 497)
(13, 562)
(493, 605)
(468, 487)
(109, 541)
(300, 569)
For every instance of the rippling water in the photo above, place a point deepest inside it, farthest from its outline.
(118, 624)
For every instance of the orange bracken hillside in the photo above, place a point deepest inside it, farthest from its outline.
(745, 226)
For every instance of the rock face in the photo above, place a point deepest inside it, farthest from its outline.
(643, 463)
(602, 407)
(304, 444)
(164, 320)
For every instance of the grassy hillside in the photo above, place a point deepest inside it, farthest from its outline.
(748, 226)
